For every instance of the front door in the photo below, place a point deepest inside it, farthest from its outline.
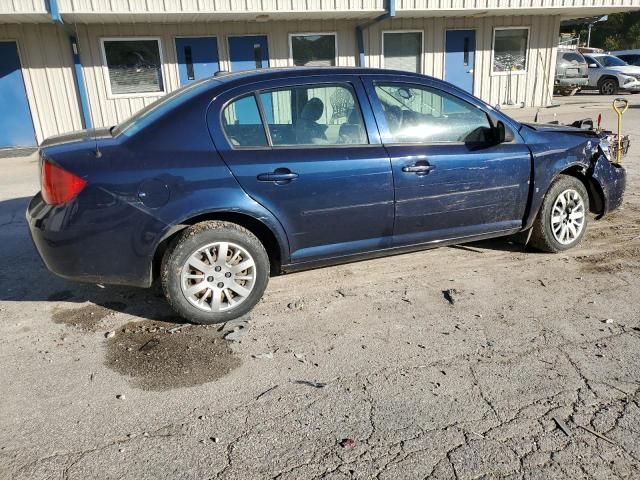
(459, 58)
(451, 180)
(248, 52)
(16, 127)
(197, 58)
(320, 169)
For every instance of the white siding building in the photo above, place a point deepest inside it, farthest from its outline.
(69, 64)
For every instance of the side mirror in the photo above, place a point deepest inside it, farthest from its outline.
(593, 65)
(503, 134)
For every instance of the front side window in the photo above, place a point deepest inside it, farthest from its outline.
(611, 61)
(133, 66)
(423, 115)
(510, 49)
(313, 50)
(242, 123)
(403, 51)
(591, 61)
(314, 115)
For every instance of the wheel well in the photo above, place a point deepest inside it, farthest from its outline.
(596, 195)
(259, 229)
(607, 77)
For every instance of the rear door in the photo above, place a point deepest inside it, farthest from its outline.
(309, 152)
(450, 180)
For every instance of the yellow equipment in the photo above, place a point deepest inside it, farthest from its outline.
(620, 105)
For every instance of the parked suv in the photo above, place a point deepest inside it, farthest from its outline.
(229, 180)
(632, 57)
(609, 74)
(571, 72)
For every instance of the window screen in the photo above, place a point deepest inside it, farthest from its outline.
(314, 115)
(417, 114)
(134, 66)
(313, 50)
(510, 49)
(242, 124)
(403, 51)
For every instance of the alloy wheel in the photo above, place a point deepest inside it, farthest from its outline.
(567, 217)
(218, 277)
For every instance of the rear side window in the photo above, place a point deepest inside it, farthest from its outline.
(313, 115)
(242, 123)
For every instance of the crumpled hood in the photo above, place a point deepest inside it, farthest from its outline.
(554, 128)
(90, 134)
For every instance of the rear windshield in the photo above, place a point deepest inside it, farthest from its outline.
(572, 57)
(158, 108)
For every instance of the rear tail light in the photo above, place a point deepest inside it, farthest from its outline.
(57, 185)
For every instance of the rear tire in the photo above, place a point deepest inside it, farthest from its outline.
(562, 219)
(214, 272)
(608, 86)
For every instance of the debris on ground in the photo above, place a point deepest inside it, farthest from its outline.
(268, 355)
(450, 295)
(268, 390)
(562, 426)
(609, 320)
(121, 397)
(298, 305)
(347, 443)
(235, 330)
(110, 334)
(309, 383)
(599, 435)
(299, 357)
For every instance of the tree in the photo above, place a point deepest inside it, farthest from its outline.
(620, 32)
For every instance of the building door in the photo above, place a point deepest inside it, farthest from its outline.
(16, 126)
(459, 58)
(248, 52)
(197, 58)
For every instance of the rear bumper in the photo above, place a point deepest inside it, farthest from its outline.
(87, 251)
(612, 179)
(571, 81)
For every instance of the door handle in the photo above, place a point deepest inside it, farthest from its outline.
(419, 169)
(283, 175)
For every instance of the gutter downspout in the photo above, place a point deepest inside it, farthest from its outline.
(78, 75)
(390, 13)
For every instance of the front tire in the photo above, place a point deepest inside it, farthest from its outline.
(562, 219)
(214, 272)
(608, 86)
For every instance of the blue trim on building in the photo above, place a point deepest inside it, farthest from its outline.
(81, 86)
(78, 74)
(391, 12)
(52, 8)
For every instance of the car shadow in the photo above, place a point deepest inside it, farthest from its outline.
(24, 278)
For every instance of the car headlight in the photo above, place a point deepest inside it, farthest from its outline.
(633, 75)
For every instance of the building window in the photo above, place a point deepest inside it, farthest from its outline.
(133, 66)
(313, 49)
(510, 49)
(402, 51)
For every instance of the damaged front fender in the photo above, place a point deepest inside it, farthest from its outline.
(611, 178)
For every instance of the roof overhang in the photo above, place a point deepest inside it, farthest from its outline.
(30, 17)
(563, 11)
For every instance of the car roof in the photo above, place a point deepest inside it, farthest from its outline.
(280, 72)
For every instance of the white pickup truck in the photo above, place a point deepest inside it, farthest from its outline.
(609, 74)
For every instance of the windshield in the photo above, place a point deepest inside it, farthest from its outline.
(156, 109)
(611, 61)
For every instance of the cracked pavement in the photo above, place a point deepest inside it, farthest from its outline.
(357, 371)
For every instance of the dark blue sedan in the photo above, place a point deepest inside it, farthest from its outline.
(229, 180)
